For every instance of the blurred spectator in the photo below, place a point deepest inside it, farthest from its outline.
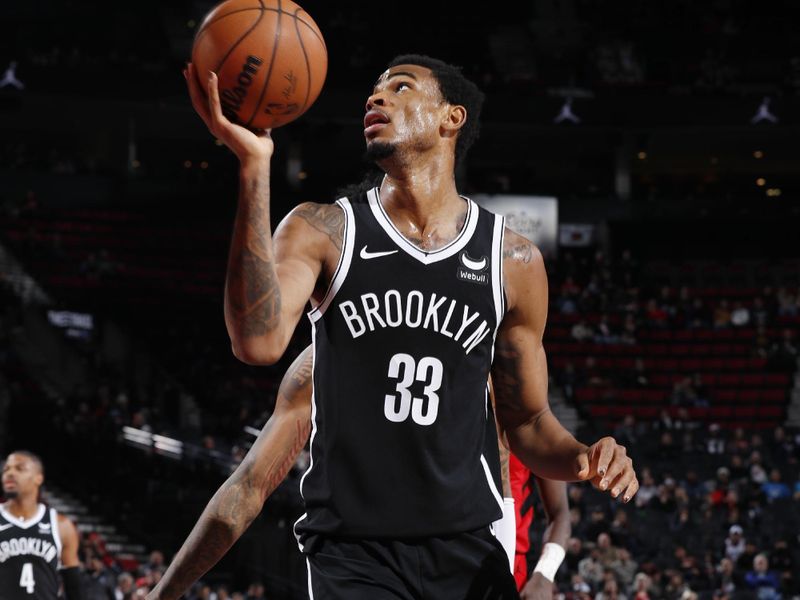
(740, 315)
(715, 442)
(125, 587)
(784, 353)
(726, 580)
(581, 331)
(764, 582)
(735, 543)
(722, 315)
(775, 488)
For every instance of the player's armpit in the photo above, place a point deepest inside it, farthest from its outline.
(269, 281)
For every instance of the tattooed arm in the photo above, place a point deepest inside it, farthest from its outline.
(240, 499)
(268, 280)
(519, 374)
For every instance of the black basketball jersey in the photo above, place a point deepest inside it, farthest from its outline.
(403, 440)
(30, 553)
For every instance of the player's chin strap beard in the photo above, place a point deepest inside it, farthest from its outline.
(379, 150)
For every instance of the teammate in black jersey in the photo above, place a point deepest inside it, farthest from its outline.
(35, 542)
(417, 295)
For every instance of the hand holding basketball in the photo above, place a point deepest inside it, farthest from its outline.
(245, 144)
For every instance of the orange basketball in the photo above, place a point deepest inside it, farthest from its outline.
(269, 56)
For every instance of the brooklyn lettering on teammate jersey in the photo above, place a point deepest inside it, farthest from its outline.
(403, 440)
(30, 552)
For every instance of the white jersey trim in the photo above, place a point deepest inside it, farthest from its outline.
(498, 498)
(310, 590)
(497, 268)
(313, 428)
(56, 533)
(458, 243)
(345, 258)
(294, 530)
(24, 523)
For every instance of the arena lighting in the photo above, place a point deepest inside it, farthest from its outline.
(168, 444)
(642, 155)
(760, 181)
(138, 436)
(774, 192)
(204, 165)
(758, 154)
(187, 164)
(159, 442)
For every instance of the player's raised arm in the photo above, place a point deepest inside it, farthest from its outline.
(240, 499)
(519, 374)
(269, 281)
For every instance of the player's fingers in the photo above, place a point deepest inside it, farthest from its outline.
(582, 466)
(214, 105)
(619, 465)
(195, 93)
(604, 451)
(621, 482)
(631, 490)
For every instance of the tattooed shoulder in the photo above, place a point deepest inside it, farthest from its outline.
(326, 218)
(517, 248)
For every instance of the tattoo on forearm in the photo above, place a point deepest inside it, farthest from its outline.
(300, 376)
(327, 218)
(228, 515)
(281, 466)
(505, 372)
(253, 294)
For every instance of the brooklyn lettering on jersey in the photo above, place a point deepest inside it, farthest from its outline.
(437, 313)
(23, 546)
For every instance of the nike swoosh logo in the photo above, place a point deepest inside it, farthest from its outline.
(475, 265)
(7, 526)
(367, 255)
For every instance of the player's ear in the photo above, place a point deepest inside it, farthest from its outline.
(455, 117)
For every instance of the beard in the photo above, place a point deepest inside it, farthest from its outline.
(379, 151)
(10, 494)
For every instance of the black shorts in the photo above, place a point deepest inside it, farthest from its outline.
(467, 566)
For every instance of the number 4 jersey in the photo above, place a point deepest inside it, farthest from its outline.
(30, 552)
(403, 440)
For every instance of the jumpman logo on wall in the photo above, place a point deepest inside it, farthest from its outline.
(10, 77)
(763, 113)
(566, 113)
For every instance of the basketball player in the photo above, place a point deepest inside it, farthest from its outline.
(35, 542)
(415, 290)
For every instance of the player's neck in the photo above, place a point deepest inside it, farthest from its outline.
(23, 508)
(421, 196)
